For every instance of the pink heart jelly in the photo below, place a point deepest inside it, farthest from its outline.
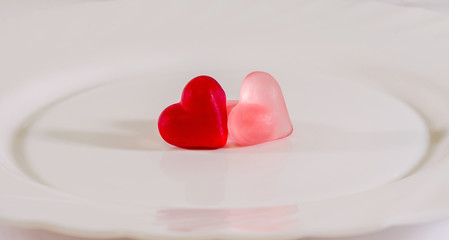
(261, 114)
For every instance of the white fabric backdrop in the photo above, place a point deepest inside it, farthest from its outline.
(438, 230)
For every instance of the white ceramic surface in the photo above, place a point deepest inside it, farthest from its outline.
(108, 49)
(109, 136)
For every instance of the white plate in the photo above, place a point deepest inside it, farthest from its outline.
(81, 153)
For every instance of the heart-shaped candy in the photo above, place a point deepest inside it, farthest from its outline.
(261, 114)
(200, 119)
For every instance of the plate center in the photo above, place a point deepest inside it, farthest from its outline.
(104, 144)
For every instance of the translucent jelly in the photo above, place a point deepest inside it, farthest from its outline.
(199, 120)
(260, 114)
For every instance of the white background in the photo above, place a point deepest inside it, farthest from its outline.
(438, 230)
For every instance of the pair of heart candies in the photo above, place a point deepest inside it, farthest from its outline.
(203, 118)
